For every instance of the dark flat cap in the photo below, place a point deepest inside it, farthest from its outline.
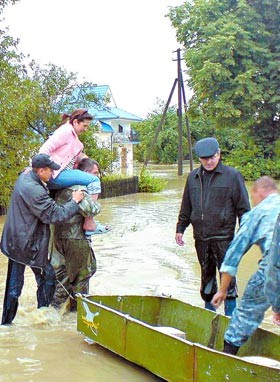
(206, 147)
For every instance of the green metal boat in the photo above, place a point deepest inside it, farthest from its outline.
(174, 340)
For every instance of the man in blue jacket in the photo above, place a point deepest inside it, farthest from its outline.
(26, 233)
(256, 228)
(214, 197)
(272, 279)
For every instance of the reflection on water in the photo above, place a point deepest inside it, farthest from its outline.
(139, 256)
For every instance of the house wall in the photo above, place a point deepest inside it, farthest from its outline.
(125, 158)
(126, 127)
(103, 139)
(119, 142)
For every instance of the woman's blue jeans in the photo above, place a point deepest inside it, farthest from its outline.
(46, 284)
(68, 178)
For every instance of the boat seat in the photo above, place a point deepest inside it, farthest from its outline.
(264, 361)
(171, 331)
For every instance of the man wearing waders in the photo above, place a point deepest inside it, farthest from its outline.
(71, 250)
(214, 197)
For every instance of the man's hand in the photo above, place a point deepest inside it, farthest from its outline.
(179, 239)
(78, 195)
(276, 318)
(221, 295)
(218, 298)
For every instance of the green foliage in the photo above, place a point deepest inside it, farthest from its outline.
(109, 177)
(33, 98)
(103, 155)
(249, 160)
(4, 3)
(32, 101)
(18, 94)
(232, 52)
(240, 151)
(60, 92)
(149, 183)
(238, 148)
(54, 84)
(277, 148)
(165, 149)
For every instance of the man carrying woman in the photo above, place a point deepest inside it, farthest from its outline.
(64, 146)
(26, 233)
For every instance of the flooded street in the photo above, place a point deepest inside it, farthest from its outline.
(138, 256)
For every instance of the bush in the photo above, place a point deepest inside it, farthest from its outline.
(148, 183)
(253, 165)
(108, 177)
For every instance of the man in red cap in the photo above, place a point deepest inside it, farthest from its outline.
(214, 196)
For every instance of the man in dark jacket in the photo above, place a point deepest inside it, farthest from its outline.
(214, 197)
(26, 233)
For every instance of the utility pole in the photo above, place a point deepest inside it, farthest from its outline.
(181, 93)
(188, 125)
(179, 114)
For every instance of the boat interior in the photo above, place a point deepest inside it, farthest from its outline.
(187, 322)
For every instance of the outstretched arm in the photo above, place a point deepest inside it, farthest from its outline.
(221, 295)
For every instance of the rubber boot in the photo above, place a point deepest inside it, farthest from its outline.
(9, 313)
(230, 348)
(230, 304)
(209, 306)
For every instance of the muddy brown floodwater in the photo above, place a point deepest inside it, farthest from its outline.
(138, 256)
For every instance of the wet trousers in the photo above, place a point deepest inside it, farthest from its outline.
(250, 313)
(45, 279)
(210, 255)
(74, 264)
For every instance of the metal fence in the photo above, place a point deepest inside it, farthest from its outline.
(110, 188)
(3, 211)
(119, 187)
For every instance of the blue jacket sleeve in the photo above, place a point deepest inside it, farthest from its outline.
(272, 283)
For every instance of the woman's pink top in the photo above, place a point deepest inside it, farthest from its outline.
(63, 145)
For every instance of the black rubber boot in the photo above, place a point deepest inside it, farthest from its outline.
(10, 312)
(230, 348)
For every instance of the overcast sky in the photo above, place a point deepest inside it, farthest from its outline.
(126, 44)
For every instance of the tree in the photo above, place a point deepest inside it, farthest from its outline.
(18, 95)
(4, 3)
(103, 155)
(32, 101)
(165, 149)
(60, 92)
(232, 52)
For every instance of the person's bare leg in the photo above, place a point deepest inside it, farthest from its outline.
(89, 223)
